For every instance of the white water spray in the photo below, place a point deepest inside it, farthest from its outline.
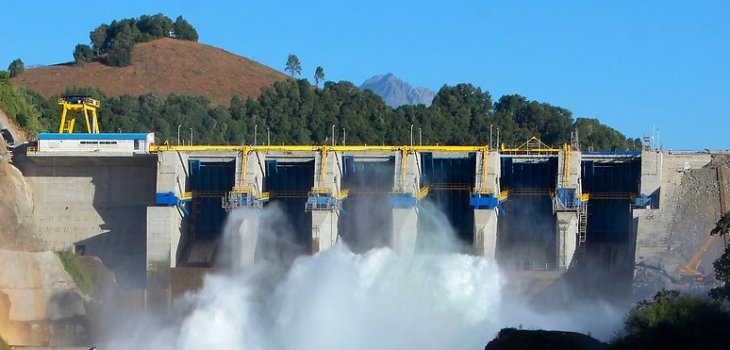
(338, 299)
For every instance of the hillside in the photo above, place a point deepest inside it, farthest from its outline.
(164, 66)
(396, 92)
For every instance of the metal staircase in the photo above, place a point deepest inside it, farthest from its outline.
(582, 224)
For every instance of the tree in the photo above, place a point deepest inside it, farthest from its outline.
(83, 54)
(293, 66)
(722, 264)
(16, 68)
(156, 26)
(318, 75)
(723, 225)
(674, 321)
(98, 39)
(183, 30)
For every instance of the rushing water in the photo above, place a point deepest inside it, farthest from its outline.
(341, 300)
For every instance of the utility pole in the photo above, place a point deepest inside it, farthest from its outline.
(498, 144)
(333, 135)
(420, 137)
(490, 135)
(191, 136)
(344, 136)
(411, 135)
(268, 136)
(255, 133)
(178, 135)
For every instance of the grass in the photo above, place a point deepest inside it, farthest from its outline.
(77, 271)
(3, 344)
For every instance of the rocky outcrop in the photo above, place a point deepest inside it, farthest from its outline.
(39, 302)
(17, 231)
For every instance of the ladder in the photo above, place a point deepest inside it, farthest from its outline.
(582, 224)
(69, 127)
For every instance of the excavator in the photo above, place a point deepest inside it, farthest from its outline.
(690, 270)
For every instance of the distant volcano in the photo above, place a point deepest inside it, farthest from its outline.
(396, 92)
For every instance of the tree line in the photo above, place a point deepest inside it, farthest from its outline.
(297, 112)
(113, 43)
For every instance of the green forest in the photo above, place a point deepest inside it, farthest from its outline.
(297, 112)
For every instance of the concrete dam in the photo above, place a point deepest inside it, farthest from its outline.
(533, 208)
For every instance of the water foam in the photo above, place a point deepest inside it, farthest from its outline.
(337, 299)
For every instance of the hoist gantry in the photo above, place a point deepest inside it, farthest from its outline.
(72, 106)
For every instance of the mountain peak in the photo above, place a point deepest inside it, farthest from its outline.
(396, 92)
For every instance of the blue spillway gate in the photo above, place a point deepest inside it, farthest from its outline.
(527, 231)
(366, 219)
(611, 186)
(209, 181)
(451, 181)
(288, 184)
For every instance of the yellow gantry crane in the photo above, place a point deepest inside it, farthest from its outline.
(72, 106)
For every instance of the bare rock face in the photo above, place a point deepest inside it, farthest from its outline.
(39, 302)
(17, 231)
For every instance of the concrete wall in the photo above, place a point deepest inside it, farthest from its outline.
(172, 175)
(98, 204)
(668, 236)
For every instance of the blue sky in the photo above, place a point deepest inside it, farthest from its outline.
(632, 64)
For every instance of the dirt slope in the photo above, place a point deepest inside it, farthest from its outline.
(164, 66)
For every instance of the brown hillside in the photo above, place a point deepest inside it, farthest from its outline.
(164, 66)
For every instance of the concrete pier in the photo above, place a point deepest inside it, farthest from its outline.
(485, 220)
(569, 177)
(250, 175)
(567, 241)
(485, 232)
(324, 200)
(404, 202)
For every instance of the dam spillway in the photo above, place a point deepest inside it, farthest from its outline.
(549, 210)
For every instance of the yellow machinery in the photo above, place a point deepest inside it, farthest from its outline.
(691, 268)
(73, 105)
(721, 229)
(531, 146)
(245, 194)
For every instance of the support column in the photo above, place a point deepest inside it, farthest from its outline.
(567, 238)
(165, 236)
(244, 204)
(486, 200)
(325, 200)
(568, 206)
(163, 227)
(245, 239)
(324, 229)
(405, 230)
(404, 201)
(485, 232)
